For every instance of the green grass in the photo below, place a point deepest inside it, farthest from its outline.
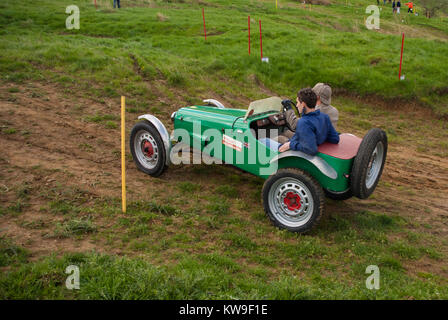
(9, 130)
(73, 227)
(17, 207)
(194, 239)
(62, 207)
(328, 44)
(188, 187)
(208, 276)
(108, 120)
(220, 255)
(142, 207)
(11, 253)
(218, 206)
(227, 191)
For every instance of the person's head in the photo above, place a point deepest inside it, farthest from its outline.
(306, 100)
(323, 93)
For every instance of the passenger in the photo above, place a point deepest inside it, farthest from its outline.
(313, 129)
(323, 92)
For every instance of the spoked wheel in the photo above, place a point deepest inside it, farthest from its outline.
(375, 165)
(293, 200)
(369, 163)
(147, 149)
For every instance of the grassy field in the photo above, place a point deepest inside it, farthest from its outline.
(199, 232)
(164, 39)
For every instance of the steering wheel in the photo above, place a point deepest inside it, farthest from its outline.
(286, 104)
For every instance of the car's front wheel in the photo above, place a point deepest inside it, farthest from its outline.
(293, 200)
(147, 149)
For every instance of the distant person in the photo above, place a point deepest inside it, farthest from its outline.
(313, 129)
(117, 2)
(398, 6)
(393, 7)
(410, 6)
(384, 2)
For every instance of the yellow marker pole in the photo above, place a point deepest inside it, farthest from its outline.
(123, 169)
(276, 4)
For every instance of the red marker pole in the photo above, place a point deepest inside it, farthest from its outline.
(261, 42)
(203, 18)
(248, 24)
(401, 58)
(95, 5)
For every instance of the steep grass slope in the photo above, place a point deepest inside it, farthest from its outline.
(165, 39)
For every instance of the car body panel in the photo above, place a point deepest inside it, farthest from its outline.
(239, 146)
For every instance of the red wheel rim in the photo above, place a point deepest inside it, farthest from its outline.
(292, 201)
(147, 149)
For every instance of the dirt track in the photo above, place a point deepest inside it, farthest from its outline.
(54, 148)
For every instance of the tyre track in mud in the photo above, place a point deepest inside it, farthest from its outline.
(46, 152)
(57, 131)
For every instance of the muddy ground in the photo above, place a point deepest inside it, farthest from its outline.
(49, 146)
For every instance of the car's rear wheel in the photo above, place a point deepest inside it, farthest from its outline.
(147, 149)
(293, 200)
(369, 163)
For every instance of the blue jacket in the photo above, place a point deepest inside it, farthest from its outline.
(313, 129)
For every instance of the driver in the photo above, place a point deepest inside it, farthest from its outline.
(313, 128)
(323, 93)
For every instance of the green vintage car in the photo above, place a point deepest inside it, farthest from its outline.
(296, 183)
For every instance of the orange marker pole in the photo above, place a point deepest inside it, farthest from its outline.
(248, 25)
(203, 18)
(401, 57)
(261, 42)
(123, 167)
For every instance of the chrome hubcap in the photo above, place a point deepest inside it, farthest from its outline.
(146, 149)
(374, 167)
(291, 202)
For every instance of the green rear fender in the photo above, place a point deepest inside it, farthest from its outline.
(332, 173)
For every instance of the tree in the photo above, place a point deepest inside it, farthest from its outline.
(434, 6)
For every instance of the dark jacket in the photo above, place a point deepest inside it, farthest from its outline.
(398, 4)
(313, 129)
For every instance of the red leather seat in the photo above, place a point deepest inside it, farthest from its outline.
(347, 148)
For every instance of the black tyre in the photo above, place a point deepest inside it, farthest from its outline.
(293, 200)
(147, 149)
(334, 195)
(369, 163)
